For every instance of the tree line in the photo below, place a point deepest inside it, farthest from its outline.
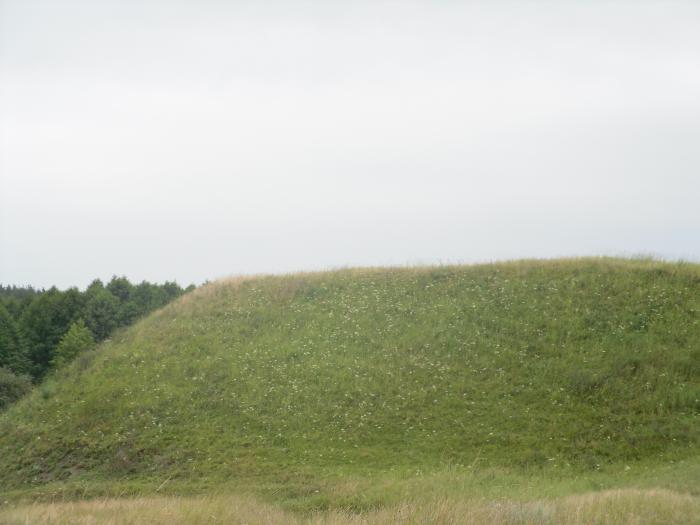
(42, 329)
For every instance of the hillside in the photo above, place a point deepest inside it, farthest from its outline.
(568, 364)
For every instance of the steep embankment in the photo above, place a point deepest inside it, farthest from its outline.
(572, 362)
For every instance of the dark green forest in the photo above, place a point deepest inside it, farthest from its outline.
(41, 329)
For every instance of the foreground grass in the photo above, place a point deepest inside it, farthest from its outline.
(652, 494)
(639, 507)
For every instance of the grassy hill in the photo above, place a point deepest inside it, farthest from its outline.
(561, 367)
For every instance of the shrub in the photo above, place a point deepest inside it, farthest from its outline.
(12, 387)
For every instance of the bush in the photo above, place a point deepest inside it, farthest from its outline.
(12, 387)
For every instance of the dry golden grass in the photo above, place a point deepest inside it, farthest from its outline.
(628, 506)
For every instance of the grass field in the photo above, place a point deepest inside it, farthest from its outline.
(653, 495)
(525, 392)
(628, 506)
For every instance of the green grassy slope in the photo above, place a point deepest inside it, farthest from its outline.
(570, 364)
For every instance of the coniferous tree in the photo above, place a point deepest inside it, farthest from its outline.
(77, 339)
(16, 299)
(39, 318)
(44, 322)
(12, 347)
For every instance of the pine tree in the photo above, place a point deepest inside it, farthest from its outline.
(77, 340)
(13, 353)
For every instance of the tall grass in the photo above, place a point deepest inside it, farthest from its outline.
(651, 507)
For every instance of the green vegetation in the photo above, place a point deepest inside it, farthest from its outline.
(356, 388)
(648, 507)
(13, 354)
(33, 322)
(12, 386)
(77, 340)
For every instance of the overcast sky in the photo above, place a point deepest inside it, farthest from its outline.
(193, 140)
